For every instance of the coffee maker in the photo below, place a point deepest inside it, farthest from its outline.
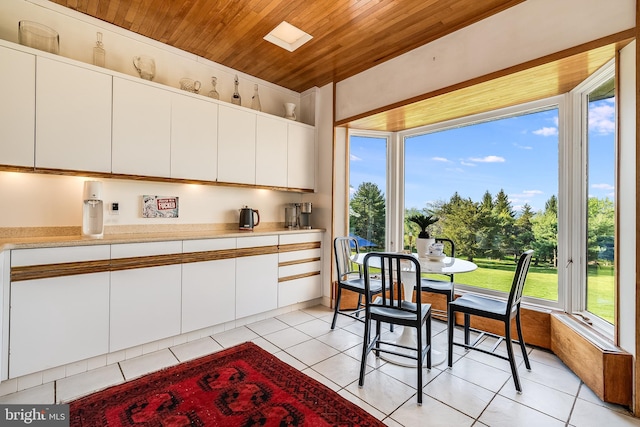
(92, 210)
(305, 215)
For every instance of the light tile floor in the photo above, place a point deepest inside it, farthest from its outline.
(476, 391)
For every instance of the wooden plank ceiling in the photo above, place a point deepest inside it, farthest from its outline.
(539, 79)
(349, 36)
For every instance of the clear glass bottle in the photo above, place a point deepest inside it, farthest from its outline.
(235, 99)
(98, 51)
(214, 93)
(255, 99)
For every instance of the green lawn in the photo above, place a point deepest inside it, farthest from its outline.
(542, 282)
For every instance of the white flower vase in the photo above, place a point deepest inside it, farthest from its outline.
(422, 246)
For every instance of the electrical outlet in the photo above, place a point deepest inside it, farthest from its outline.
(115, 208)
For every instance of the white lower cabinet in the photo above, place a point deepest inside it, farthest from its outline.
(54, 321)
(208, 287)
(300, 270)
(256, 277)
(145, 302)
(58, 321)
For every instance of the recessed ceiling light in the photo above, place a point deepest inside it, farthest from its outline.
(287, 36)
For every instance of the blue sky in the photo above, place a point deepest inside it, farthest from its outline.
(518, 155)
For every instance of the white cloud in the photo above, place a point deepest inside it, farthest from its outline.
(602, 119)
(546, 131)
(463, 163)
(488, 159)
(603, 186)
(441, 159)
(523, 147)
(355, 158)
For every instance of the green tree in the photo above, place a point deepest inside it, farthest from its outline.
(524, 236)
(367, 214)
(505, 220)
(600, 228)
(488, 233)
(460, 219)
(544, 226)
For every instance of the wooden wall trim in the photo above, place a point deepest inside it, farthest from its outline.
(47, 271)
(292, 247)
(105, 175)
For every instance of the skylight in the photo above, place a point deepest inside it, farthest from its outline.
(287, 36)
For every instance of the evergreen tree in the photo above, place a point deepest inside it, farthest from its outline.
(524, 236)
(544, 226)
(367, 214)
(488, 233)
(460, 221)
(505, 219)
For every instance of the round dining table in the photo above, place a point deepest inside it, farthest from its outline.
(406, 336)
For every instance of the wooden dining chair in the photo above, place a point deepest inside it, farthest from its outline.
(390, 307)
(497, 309)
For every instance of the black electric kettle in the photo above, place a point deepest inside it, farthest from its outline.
(246, 218)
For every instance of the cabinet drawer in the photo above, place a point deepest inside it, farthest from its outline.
(127, 250)
(208, 245)
(299, 256)
(286, 239)
(255, 241)
(299, 290)
(39, 256)
(296, 269)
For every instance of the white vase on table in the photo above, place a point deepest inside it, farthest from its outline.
(422, 246)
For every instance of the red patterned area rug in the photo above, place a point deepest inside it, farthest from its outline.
(240, 386)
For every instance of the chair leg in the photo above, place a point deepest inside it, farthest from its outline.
(337, 307)
(467, 322)
(512, 359)
(521, 339)
(419, 355)
(365, 351)
(428, 322)
(359, 305)
(450, 324)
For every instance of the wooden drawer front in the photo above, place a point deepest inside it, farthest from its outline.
(40, 256)
(299, 290)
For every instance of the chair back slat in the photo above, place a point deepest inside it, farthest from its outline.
(517, 286)
(345, 249)
(394, 268)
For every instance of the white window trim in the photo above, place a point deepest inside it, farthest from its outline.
(579, 131)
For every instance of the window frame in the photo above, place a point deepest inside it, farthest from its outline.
(579, 140)
(556, 102)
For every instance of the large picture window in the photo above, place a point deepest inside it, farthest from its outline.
(493, 184)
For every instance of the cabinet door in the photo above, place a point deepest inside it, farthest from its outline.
(208, 287)
(58, 321)
(145, 302)
(194, 138)
(145, 305)
(236, 145)
(18, 107)
(299, 270)
(301, 159)
(257, 277)
(141, 129)
(271, 152)
(73, 117)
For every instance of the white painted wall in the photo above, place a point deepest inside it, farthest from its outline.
(34, 200)
(627, 256)
(530, 30)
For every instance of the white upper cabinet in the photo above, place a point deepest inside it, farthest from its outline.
(301, 157)
(236, 145)
(73, 117)
(141, 129)
(17, 111)
(194, 138)
(271, 152)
